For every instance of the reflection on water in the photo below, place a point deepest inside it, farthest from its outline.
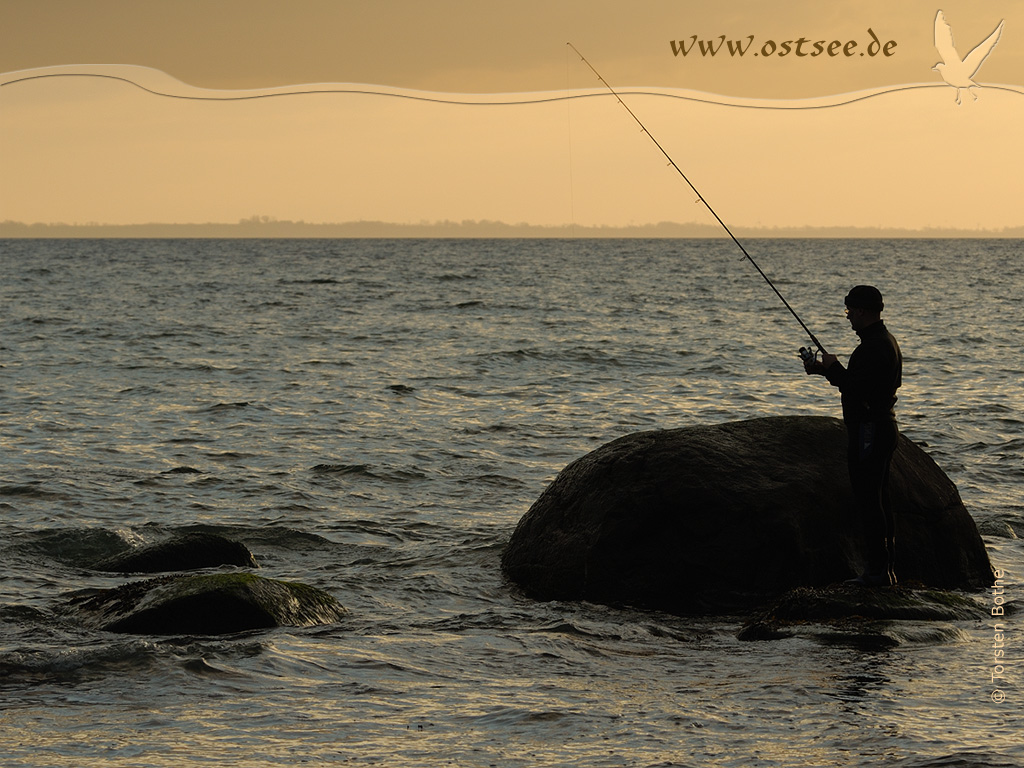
(373, 418)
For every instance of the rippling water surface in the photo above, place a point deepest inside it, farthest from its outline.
(374, 417)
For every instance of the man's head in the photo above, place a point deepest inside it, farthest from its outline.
(863, 306)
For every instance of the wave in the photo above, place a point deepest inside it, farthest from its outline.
(159, 83)
(387, 473)
(74, 664)
(237, 406)
(81, 548)
(31, 490)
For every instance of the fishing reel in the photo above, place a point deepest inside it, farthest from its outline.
(808, 355)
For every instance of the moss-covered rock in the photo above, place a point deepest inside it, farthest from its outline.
(206, 604)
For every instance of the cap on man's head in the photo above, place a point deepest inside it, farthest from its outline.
(865, 297)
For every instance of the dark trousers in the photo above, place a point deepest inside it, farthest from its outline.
(869, 454)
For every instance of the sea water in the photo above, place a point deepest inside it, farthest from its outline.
(373, 417)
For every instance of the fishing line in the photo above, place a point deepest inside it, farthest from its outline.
(568, 120)
(700, 197)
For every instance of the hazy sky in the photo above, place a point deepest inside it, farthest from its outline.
(92, 149)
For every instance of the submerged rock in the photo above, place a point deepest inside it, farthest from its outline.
(875, 617)
(720, 518)
(184, 552)
(206, 604)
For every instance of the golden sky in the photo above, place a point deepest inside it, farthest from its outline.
(78, 149)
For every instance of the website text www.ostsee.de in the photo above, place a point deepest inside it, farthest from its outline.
(800, 47)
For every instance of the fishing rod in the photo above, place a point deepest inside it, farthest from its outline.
(804, 352)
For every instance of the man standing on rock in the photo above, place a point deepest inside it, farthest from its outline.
(868, 386)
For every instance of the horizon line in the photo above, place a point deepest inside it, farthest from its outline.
(269, 227)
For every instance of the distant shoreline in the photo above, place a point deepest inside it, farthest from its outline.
(269, 228)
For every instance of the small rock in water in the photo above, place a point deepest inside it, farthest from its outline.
(206, 604)
(184, 552)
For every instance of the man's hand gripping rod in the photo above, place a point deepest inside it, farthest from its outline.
(806, 353)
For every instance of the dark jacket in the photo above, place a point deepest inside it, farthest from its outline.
(875, 372)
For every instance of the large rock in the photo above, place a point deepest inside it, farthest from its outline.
(718, 518)
(206, 604)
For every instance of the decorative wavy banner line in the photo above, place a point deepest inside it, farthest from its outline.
(159, 83)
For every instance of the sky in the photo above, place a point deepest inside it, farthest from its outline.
(409, 111)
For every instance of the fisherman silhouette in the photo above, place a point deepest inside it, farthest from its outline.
(955, 71)
(868, 386)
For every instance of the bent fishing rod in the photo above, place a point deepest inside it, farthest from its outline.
(806, 354)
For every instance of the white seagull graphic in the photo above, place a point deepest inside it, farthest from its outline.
(954, 70)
